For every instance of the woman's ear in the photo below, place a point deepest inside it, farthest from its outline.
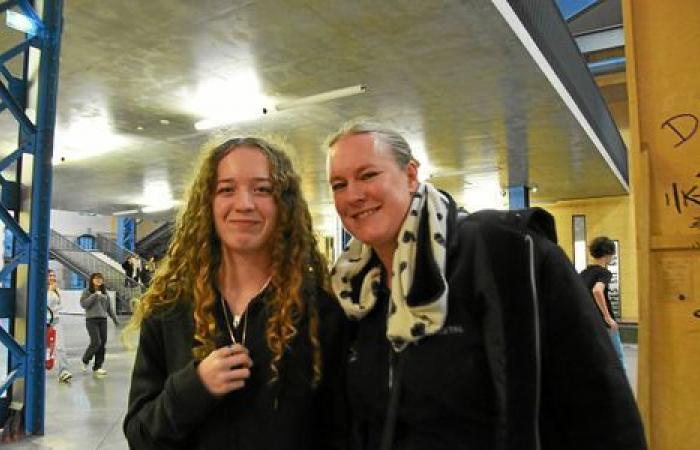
(412, 174)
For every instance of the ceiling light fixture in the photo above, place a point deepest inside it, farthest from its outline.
(158, 208)
(318, 98)
(126, 212)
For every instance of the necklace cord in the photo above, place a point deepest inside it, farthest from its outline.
(224, 306)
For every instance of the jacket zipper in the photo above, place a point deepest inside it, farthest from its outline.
(391, 367)
(391, 358)
(538, 349)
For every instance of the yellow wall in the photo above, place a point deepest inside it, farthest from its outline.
(609, 216)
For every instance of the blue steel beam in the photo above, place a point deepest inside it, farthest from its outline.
(20, 258)
(6, 73)
(39, 226)
(30, 12)
(518, 197)
(13, 226)
(9, 379)
(609, 65)
(570, 9)
(9, 342)
(12, 157)
(14, 51)
(16, 109)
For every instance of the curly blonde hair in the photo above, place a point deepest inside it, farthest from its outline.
(189, 270)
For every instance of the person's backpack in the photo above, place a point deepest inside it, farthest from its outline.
(531, 220)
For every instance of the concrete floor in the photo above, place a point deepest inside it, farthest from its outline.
(88, 413)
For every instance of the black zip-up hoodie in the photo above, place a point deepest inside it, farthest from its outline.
(522, 363)
(169, 407)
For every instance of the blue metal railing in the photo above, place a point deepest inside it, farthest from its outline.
(109, 247)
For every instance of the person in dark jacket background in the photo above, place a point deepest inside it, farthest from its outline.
(241, 341)
(469, 333)
(98, 307)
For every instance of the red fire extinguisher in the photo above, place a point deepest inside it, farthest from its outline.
(50, 343)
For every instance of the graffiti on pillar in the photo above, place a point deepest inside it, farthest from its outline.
(683, 126)
(681, 197)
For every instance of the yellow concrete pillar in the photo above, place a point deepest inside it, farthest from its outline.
(662, 40)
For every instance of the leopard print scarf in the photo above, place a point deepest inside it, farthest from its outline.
(421, 242)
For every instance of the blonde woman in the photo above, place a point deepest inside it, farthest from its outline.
(53, 302)
(238, 329)
(470, 332)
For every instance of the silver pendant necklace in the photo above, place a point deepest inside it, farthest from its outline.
(244, 316)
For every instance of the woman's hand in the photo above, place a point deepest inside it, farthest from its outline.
(225, 369)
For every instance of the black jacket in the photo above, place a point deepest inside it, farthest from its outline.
(169, 407)
(522, 363)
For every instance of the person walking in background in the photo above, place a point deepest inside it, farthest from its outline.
(149, 268)
(597, 278)
(53, 301)
(98, 307)
(241, 340)
(136, 271)
(469, 332)
(128, 271)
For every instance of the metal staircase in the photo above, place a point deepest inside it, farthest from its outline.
(83, 262)
(107, 245)
(156, 243)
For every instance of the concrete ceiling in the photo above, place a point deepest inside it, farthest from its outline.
(137, 75)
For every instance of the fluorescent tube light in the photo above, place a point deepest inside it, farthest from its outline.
(126, 212)
(160, 207)
(320, 98)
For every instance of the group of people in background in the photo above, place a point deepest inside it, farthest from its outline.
(98, 307)
(433, 330)
(136, 272)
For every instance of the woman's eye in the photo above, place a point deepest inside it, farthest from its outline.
(337, 186)
(264, 189)
(368, 175)
(224, 189)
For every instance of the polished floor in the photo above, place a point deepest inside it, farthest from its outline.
(87, 413)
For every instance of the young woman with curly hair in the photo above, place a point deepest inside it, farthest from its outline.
(240, 339)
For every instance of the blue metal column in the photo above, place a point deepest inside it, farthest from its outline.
(36, 138)
(518, 197)
(126, 233)
(40, 216)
